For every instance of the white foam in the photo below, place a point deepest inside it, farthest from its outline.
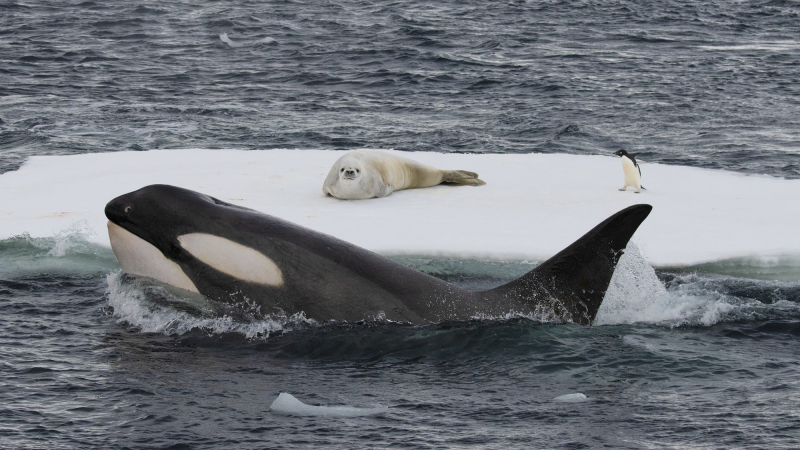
(75, 235)
(130, 305)
(780, 46)
(571, 398)
(287, 404)
(635, 293)
(533, 205)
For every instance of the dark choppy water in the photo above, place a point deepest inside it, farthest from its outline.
(705, 356)
(91, 359)
(711, 84)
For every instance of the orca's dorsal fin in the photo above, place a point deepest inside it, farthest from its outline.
(575, 280)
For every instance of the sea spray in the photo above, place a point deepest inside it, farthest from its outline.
(637, 295)
(132, 304)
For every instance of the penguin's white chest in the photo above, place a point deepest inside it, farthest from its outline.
(632, 176)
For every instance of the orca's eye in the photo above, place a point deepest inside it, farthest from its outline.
(127, 209)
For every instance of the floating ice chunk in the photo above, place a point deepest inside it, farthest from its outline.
(737, 216)
(571, 398)
(287, 404)
(224, 38)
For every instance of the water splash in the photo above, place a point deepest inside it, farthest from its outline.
(69, 251)
(72, 239)
(152, 309)
(636, 295)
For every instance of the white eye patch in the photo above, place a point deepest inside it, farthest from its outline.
(234, 259)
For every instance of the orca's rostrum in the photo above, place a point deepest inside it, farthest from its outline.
(233, 254)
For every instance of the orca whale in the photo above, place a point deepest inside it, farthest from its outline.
(233, 254)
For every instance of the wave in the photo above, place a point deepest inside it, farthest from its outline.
(638, 295)
(68, 251)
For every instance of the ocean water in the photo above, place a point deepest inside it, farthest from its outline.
(684, 357)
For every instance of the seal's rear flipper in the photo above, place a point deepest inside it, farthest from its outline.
(463, 177)
(573, 283)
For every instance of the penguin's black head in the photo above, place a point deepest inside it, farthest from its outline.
(621, 152)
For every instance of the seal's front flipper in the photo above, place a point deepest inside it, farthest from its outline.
(573, 283)
(463, 177)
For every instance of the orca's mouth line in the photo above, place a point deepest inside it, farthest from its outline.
(133, 229)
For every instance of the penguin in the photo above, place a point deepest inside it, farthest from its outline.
(632, 171)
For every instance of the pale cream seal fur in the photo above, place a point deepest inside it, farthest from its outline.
(362, 174)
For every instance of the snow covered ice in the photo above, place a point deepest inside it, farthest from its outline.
(532, 206)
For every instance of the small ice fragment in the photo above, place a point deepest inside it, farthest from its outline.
(288, 405)
(571, 398)
(224, 38)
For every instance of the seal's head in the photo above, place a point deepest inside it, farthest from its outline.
(350, 170)
(353, 177)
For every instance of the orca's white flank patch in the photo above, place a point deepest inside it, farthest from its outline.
(139, 257)
(234, 259)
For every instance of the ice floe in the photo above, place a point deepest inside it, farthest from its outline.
(532, 206)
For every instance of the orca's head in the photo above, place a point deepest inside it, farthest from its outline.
(166, 233)
(160, 213)
(621, 152)
(145, 225)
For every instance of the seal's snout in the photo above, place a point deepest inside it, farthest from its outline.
(350, 173)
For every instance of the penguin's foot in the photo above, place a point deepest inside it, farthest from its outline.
(623, 189)
(637, 192)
